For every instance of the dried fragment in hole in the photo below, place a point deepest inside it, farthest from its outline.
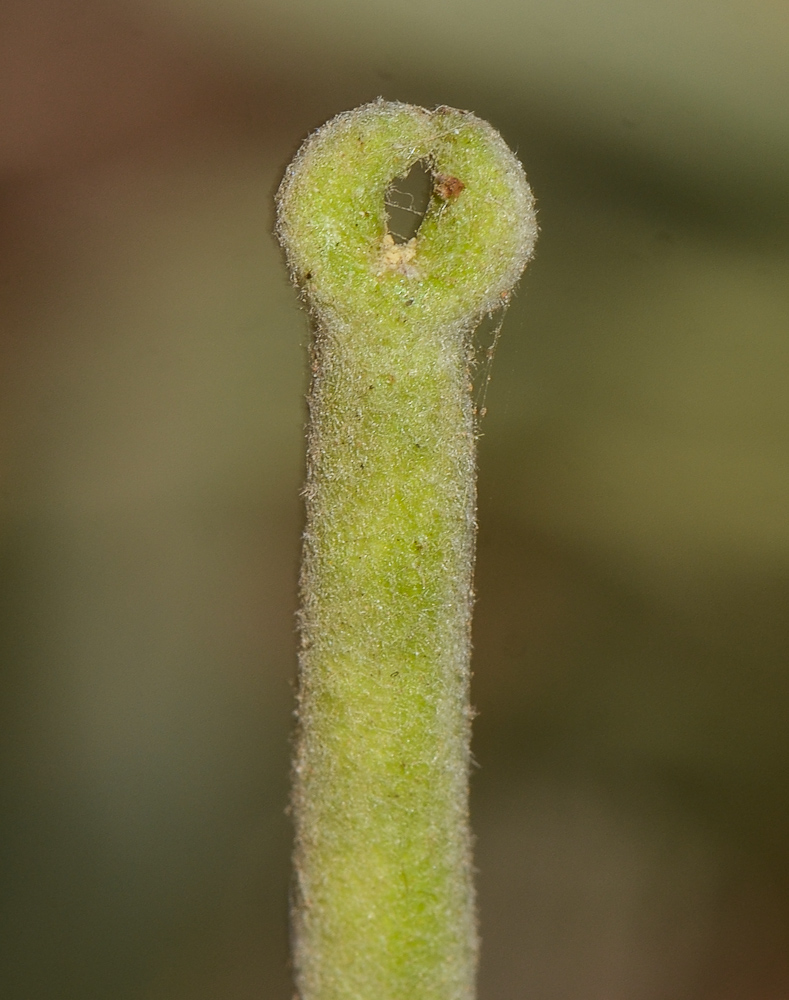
(398, 257)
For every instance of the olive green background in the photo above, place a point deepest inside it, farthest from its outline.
(632, 624)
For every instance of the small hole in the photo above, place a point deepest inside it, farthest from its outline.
(406, 201)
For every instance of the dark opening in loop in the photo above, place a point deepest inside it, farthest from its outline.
(406, 201)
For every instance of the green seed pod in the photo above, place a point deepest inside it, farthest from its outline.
(383, 898)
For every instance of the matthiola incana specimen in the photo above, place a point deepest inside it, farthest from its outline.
(383, 897)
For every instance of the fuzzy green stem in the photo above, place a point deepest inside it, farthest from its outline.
(383, 906)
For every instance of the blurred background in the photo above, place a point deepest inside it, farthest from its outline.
(632, 625)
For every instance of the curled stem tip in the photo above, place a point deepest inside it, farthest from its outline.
(471, 247)
(383, 898)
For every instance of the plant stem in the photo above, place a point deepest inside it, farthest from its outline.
(383, 906)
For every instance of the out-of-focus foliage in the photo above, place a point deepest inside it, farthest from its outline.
(631, 637)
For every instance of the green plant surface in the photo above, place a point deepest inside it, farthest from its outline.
(383, 906)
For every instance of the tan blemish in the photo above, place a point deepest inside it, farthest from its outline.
(398, 257)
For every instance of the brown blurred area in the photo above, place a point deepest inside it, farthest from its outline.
(631, 634)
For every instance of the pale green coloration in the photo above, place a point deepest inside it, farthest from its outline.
(383, 906)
